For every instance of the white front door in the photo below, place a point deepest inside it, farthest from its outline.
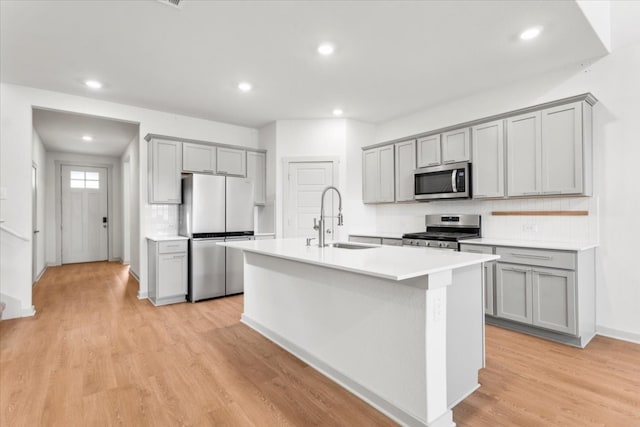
(305, 183)
(84, 214)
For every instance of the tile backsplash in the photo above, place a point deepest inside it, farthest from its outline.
(402, 218)
(161, 220)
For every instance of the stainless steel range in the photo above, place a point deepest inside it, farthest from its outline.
(445, 231)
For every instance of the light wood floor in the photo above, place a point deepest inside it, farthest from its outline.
(96, 355)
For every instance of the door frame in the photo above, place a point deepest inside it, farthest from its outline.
(34, 223)
(286, 161)
(58, 204)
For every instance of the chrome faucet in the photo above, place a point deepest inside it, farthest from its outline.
(320, 224)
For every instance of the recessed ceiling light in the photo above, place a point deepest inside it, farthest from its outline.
(244, 86)
(325, 49)
(93, 84)
(337, 112)
(530, 33)
(87, 138)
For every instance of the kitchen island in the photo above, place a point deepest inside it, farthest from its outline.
(400, 327)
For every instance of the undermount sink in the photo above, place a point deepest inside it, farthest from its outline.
(341, 245)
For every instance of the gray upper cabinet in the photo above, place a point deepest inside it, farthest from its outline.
(429, 151)
(562, 150)
(231, 161)
(257, 171)
(455, 146)
(488, 160)
(524, 154)
(387, 174)
(198, 158)
(448, 147)
(378, 175)
(405, 165)
(549, 151)
(165, 165)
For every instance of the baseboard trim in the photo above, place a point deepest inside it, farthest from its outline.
(378, 402)
(135, 276)
(40, 274)
(618, 334)
(28, 312)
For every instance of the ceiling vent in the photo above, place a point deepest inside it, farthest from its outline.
(172, 3)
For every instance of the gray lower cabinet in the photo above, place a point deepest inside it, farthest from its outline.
(554, 299)
(168, 267)
(537, 296)
(376, 240)
(544, 292)
(513, 291)
(489, 282)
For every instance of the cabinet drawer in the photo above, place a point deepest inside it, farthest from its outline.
(477, 249)
(545, 258)
(363, 239)
(172, 246)
(391, 242)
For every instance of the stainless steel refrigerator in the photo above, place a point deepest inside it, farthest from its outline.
(215, 209)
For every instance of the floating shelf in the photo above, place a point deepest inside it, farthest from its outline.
(540, 213)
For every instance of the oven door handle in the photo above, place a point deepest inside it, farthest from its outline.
(454, 174)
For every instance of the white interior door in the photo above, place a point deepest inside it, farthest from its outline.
(305, 183)
(85, 224)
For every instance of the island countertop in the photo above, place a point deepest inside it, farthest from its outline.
(387, 262)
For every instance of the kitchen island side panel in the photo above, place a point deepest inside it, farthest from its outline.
(384, 340)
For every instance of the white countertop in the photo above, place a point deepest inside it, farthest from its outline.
(564, 246)
(382, 234)
(165, 238)
(388, 262)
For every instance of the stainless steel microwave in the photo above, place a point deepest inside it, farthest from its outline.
(452, 181)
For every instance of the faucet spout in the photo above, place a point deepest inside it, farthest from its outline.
(320, 228)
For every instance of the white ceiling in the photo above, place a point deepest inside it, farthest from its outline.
(60, 131)
(392, 57)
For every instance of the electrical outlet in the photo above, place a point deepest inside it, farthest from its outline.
(530, 228)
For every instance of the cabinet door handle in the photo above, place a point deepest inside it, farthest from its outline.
(530, 192)
(531, 256)
(446, 162)
(208, 170)
(552, 192)
(223, 172)
(178, 256)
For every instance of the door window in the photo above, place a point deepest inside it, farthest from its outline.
(82, 179)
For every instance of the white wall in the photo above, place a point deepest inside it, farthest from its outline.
(358, 217)
(614, 81)
(307, 138)
(266, 215)
(39, 159)
(132, 153)
(16, 103)
(53, 200)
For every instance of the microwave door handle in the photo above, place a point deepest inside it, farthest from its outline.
(454, 174)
